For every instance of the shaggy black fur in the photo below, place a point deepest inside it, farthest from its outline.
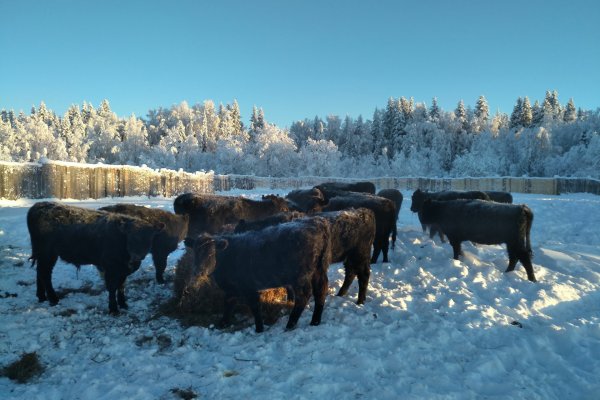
(329, 189)
(210, 213)
(256, 225)
(384, 210)
(166, 241)
(500, 197)
(296, 254)
(485, 222)
(396, 197)
(352, 235)
(306, 200)
(419, 197)
(115, 243)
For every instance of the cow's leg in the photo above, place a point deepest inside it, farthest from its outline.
(253, 300)
(121, 300)
(302, 295)
(512, 257)
(525, 258)
(348, 278)
(289, 293)
(394, 235)
(376, 249)
(386, 245)
(45, 291)
(41, 287)
(160, 264)
(320, 286)
(363, 283)
(227, 311)
(112, 285)
(456, 248)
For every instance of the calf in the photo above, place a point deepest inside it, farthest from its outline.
(485, 222)
(296, 254)
(396, 197)
(166, 241)
(211, 213)
(419, 197)
(329, 188)
(115, 243)
(352, 235)
(306, 200)
(384, 210)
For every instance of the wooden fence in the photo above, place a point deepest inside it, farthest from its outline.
(84, 181)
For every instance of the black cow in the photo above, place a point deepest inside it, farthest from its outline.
(419, 197)
(296, 254)
(331, 189)
(211, 213)
(500, 197)
(352, 235)
(384, 210)
(485, 222)
(306, 200)
(166, 241)
(396, 197)
(256, 225)
(115, 243)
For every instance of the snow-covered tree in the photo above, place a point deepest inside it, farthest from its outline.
(515, 117)
(570, 114)
(320, 157)
(526, 113)
(482, 110)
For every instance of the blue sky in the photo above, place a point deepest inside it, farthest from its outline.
(296, 59)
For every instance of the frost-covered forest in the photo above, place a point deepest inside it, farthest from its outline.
(545, 138)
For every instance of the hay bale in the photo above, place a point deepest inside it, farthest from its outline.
(198, 299)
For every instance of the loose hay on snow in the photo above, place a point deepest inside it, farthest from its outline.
(199, 301)
(24, 369)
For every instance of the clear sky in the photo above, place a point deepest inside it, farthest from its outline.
(296, 59)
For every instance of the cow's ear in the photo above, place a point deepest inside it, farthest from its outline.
(159, 226)
(221, 244)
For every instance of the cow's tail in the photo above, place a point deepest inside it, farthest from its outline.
(325, 256)
(528, 214)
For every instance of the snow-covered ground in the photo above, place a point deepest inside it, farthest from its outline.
(431, 327)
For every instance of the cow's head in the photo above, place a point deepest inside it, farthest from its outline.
(279, 203)
(139, 235)
(205, 252)
(418, 198)
(306, 200)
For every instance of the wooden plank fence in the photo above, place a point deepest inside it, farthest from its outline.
(85, 181)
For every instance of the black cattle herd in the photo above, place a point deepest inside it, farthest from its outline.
(247, 246)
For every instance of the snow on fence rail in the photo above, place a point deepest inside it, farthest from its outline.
(83, 181)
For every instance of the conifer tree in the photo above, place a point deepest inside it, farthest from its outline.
(482, 110)
(537, 114)
(515, 117)
(526, 113)
(434, 111)
(570, 112)
(461, 114)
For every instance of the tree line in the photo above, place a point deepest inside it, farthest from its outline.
(403, 138)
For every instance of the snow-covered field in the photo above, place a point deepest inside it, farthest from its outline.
(431, 327)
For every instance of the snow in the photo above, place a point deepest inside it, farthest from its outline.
(431, 327)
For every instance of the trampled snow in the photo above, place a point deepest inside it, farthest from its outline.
(431, 327)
